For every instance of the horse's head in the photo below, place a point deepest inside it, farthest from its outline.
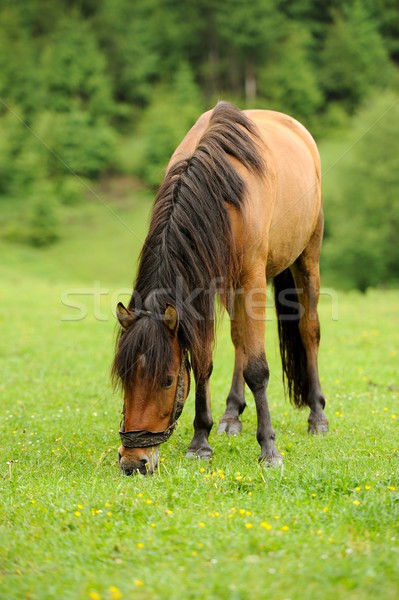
(154, 372)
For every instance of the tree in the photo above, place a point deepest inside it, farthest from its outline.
(289, 80)
(19, 77)
(249, 32)
(166, 121)
(354, 58)
(362, 207)
(73, 71)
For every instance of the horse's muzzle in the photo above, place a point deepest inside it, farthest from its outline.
(138, 460)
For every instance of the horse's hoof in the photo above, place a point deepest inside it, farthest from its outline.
(204, 453)
(276, 460)
(316, 427)
(231, 426)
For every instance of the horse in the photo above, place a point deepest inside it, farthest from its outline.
(239, 206)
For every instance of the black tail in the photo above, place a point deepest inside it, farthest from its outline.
(292, 352)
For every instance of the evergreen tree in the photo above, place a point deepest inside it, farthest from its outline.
(354, 58)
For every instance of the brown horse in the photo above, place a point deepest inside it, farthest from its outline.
(240, 204)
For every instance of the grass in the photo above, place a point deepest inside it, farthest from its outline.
(72, 527)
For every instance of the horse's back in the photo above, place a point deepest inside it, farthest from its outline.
(282, 209)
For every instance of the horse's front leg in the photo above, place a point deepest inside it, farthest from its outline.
(199, 446)
(230, 422)
(249, 340)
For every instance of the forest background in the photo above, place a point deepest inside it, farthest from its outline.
(92, 91)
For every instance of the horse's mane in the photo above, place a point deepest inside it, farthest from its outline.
(189, 249)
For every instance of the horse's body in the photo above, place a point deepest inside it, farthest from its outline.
(240, 205)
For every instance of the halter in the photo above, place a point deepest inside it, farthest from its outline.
(145, 438)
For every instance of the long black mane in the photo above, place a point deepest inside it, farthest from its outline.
(189, 250)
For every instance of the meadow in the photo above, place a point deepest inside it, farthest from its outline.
(324, 526)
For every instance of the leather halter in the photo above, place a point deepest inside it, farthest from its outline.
(145, 438)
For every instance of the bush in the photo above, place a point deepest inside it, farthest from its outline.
(43, 225)
(74, 143)
(70, 190)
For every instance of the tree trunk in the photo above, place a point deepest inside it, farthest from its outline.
(250, 82)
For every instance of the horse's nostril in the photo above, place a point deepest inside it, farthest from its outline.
(143, 468)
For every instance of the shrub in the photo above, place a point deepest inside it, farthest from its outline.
(43, 227)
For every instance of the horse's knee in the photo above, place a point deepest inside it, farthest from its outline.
(256, 373)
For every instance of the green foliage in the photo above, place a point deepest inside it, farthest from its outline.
(73, 71)
(43, 225)
(362, 204)
(73, 144)
(19, 76)
(290, 81)
(70, 190)
(354, 58)
(166, 121)
(37, 219)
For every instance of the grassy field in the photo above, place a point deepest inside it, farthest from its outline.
(324, 527)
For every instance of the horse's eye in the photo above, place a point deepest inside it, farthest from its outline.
(168, 382)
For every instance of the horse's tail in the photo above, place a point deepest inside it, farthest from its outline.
(292, 352)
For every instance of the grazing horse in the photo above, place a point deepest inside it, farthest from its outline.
(240, 205)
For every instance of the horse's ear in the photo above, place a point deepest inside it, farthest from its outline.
(125, 317)
(171, 319)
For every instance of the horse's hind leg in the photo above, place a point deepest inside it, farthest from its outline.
(307, 278)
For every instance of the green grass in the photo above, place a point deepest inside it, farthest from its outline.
(324, 527)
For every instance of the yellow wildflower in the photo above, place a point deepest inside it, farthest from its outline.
(115, 592)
